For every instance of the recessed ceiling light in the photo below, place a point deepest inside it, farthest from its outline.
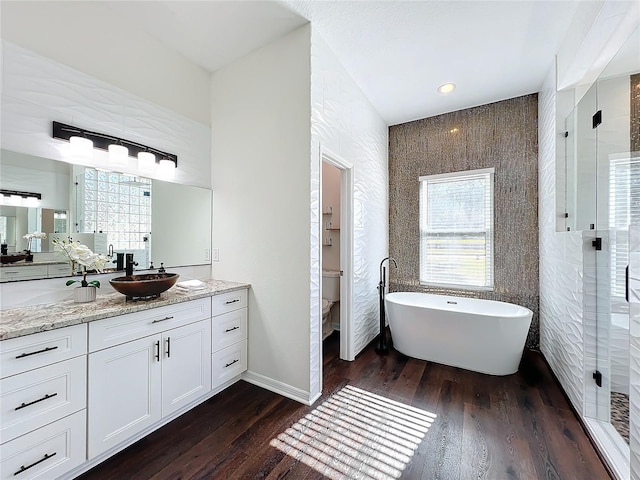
(446, 88)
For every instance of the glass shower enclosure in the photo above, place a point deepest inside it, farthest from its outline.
(602, 200)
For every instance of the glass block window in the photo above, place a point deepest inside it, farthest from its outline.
(456, 230)
(118, 205)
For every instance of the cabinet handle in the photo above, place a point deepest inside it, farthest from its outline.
(46, 397)
(168, 347)
(23, 468)
(157, 355)
(232, 301)
(48, 349)
(231, 363)
(231, 329)
(162, 319)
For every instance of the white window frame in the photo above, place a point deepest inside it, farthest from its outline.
(489, 229)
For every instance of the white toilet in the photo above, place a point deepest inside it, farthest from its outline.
(330, 295)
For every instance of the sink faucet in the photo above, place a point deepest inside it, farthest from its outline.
(129, 264)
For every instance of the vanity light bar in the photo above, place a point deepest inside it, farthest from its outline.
(102, 141)
(9, 193)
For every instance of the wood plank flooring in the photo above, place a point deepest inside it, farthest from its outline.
(484, 427)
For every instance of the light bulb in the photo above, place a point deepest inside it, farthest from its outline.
(146, 162)
(31, 202)
(81, 148)
(118, 155)
(167, 169)
(447, 88)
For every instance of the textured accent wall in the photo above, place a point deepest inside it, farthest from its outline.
(503, 135)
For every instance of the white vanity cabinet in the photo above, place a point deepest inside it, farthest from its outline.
(43, 403)
(153, 369)
(22, 272)
(229, 337)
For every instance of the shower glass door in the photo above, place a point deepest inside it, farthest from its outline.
(603, 201)
(615, 123)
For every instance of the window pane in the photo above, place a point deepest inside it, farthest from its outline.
(456, 223)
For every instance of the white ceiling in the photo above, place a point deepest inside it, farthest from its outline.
(398, 52)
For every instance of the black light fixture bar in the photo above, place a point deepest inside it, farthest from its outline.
(9, 193)
(102, 141)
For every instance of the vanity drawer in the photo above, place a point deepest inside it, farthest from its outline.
(124, 328)
(21, 354)
(227, 302)
(33, 399)
(228, 329)
(23, 272)
(229, 362)
(47, 453)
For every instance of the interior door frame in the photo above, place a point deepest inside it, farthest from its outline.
(346, 251)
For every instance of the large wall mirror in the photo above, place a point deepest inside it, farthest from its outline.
(159, 222)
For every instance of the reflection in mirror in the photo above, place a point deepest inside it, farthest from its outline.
(15, 222)
(109, 212)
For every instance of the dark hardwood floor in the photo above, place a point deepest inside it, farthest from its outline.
(477, 427)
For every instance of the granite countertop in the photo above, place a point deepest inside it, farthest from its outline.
(21, 321)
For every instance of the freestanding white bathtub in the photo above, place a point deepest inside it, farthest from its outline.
(479, 335)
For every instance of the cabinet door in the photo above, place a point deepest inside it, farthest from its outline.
(124, 392)
(186, 365)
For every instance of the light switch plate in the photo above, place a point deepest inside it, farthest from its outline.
(216, 254)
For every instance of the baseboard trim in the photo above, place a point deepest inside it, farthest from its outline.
(278, 387)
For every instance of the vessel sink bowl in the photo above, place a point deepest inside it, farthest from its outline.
(144, 285)
(12, 257)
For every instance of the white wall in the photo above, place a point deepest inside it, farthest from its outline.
(37, 90)
(92, 38)
(561, 269)
(345, 124)
(260, 107)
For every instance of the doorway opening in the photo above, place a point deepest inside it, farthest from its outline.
(336, 238)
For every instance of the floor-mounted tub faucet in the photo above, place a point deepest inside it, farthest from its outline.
(382, 347)
(383, 270)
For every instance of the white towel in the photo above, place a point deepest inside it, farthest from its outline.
(189, 285)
